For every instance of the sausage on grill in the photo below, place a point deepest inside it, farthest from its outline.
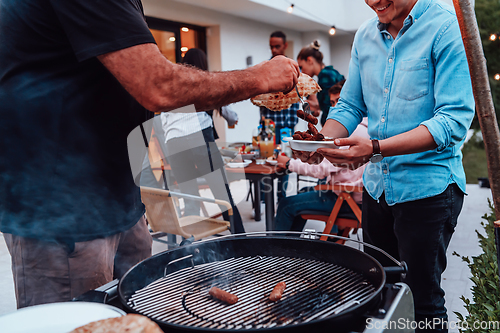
(277, 292)
(223, 295)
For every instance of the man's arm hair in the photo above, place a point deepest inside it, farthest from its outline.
(159, 85)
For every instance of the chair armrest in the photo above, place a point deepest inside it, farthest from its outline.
(227, 204)
(192, 197)
(340, 188)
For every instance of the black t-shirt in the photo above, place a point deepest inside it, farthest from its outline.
(64, 119)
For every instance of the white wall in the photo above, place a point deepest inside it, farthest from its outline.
(340, 51)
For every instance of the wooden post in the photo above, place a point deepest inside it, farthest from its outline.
(484, 102)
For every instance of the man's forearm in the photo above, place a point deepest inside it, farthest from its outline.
(160, 85)
(414, 141)
(206, 90)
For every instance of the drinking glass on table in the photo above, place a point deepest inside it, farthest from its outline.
(266, 148)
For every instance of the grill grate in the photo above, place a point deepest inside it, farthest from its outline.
(315, 290)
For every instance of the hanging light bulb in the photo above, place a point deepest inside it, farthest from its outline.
(497, 77)
(493, 37)
(332, 30)
(290, 9)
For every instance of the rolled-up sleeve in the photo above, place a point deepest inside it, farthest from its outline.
(454, 109)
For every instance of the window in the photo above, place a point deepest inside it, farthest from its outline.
(175, 38)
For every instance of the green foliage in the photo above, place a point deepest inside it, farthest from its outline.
(485, 305)
(488, 20)
(474, 159)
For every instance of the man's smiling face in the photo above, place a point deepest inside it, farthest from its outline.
(391, 11)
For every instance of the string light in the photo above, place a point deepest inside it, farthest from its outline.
(497, 77)
(493, 37)
(184, 49)
(290, 9)
(185, 29)
(172, 39)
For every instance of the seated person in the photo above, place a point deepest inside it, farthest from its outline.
(308, 198)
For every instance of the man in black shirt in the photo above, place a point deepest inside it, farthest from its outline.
(75, 78)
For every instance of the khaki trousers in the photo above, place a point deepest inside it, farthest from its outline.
(48, 272)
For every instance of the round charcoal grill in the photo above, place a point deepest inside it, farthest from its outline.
(325, 283)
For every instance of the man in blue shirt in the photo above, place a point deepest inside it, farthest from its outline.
(409, 75)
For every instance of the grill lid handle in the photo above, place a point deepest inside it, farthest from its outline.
(403, 269)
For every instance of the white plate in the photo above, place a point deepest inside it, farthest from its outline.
(56, 317)
(238, 164)
(271, 161)
(302, 145)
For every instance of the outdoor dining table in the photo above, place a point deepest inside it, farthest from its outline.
(261, 174)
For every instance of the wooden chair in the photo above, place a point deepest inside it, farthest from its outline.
(161, 212)
(344, 223)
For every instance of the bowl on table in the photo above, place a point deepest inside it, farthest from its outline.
(272, 161)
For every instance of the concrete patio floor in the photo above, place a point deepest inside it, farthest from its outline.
(455, 280)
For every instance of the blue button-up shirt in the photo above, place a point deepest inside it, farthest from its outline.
(419, 78)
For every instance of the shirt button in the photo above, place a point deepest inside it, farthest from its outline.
(386, 90)
(385, 171)
(382, 120)
(388, 37)
(390, 60)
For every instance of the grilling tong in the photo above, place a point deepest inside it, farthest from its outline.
(305, 105)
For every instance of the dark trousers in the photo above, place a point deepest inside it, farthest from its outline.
(418, 233)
